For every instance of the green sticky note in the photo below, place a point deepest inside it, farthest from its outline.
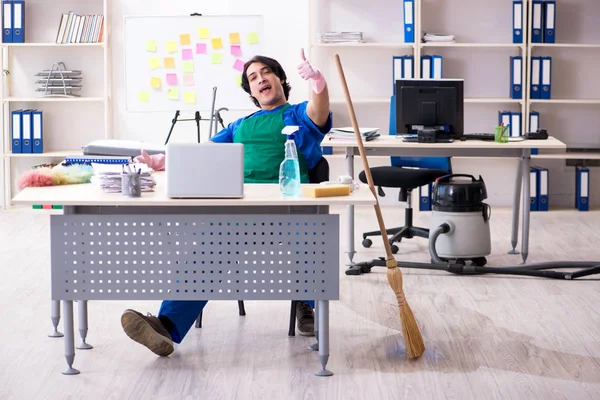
(217, 58)
(154, 62)
(238, 80)
(190, 97)
(253, 38)
(173, 94)
(143, 97)
(171, 47)
(203, 33)
(188, 67)
(151, 46)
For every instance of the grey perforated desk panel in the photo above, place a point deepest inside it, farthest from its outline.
(262, 247)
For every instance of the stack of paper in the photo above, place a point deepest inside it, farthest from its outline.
(108, 177)
(341, 37)
(437, 37)
(347, 133)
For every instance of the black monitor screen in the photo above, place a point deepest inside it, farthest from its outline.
(430, 103)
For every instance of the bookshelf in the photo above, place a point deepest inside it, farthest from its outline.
(68, 122)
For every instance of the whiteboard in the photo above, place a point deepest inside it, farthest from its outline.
(173, 63)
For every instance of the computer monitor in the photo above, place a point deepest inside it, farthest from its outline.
(432, 106)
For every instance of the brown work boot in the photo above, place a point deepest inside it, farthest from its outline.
(147, 330)
(306, 319)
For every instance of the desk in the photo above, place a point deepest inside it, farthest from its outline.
(391, 145)
(262, 247)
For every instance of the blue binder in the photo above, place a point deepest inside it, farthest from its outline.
(18, 7)
(534, 125)
(582, 188)
(436, 67)
(426, 67)
(537, 26)
(536, 76)
(392, 127)
(516, 77)
(27, 129)
(17, 131)
(533, 191)
(397, 71)
(7, 21)
(409, 21)
(518, 21)
(38, 132)
(408, 70)
(549, 21)
(542, 189)
(546, 78)
(425, 201)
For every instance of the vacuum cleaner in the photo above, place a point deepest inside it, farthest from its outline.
(460, 221)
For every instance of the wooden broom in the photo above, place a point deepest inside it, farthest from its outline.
(412, 335)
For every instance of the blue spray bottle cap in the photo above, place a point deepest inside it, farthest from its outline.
(289, 131)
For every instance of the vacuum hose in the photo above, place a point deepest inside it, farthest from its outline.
(443, 228)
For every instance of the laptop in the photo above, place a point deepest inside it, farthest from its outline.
(204, 170)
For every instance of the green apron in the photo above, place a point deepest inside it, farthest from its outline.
(264, 148)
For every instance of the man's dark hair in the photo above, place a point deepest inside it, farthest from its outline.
(273, 66)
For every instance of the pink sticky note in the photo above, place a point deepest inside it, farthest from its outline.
(200, 48)
(188, 79)
(236, 50)
(239, 65)
(187, 54)
(172, 79)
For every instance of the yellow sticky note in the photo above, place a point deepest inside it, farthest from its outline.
(190, 97)
(203, 33)
(234, 38)
(217, 43)
(238, 80)
(169, 62)
(253, 38)
(188, 67)
(185, 39)
(173, 94)
(217, 58)
(151, 46)
(154, 63)
(155, 82)
(143, 97)
(171, 47)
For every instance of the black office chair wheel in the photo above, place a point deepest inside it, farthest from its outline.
(394, 249)
(367, 242)
(479, 261)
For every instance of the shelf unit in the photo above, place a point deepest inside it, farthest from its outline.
(61, 129)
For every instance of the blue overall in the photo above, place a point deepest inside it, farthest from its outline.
(263, 152)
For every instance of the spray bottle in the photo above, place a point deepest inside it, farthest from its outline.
(289, 170)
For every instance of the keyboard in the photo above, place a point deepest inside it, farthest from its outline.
(478, 136)
(414, 139)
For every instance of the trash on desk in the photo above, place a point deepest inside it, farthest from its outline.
(109, 177)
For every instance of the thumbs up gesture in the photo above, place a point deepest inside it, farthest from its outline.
(306, 72)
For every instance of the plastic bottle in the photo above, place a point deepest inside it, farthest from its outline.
(289, 170)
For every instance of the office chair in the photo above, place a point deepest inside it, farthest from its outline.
(320, 173)
(407, 179)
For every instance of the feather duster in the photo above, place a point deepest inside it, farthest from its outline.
(59, 175)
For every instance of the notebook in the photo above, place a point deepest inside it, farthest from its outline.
(204, 170)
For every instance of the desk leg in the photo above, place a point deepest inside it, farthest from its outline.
(525, 165)
(315, 346)
(324, 337)
(69, 337)
(515, 210)
(350, 209)
(83, 324)
(55, 317)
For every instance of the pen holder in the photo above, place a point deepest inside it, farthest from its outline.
(501, 134)
(131, 185)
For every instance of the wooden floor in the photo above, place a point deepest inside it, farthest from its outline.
(488, 337)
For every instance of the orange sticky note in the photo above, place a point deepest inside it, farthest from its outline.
(203, 33)
(185, 39)
(169, 62)
(171, 47)
(143, 97)
(154, 62)
(234, 38)
(217, 43)
(190, 97)
(253, 38)
(155, 82)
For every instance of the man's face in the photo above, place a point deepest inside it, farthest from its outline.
(265, 86)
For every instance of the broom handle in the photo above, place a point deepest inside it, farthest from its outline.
(363, 156)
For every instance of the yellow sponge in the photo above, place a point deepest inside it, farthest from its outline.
(316, 190)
